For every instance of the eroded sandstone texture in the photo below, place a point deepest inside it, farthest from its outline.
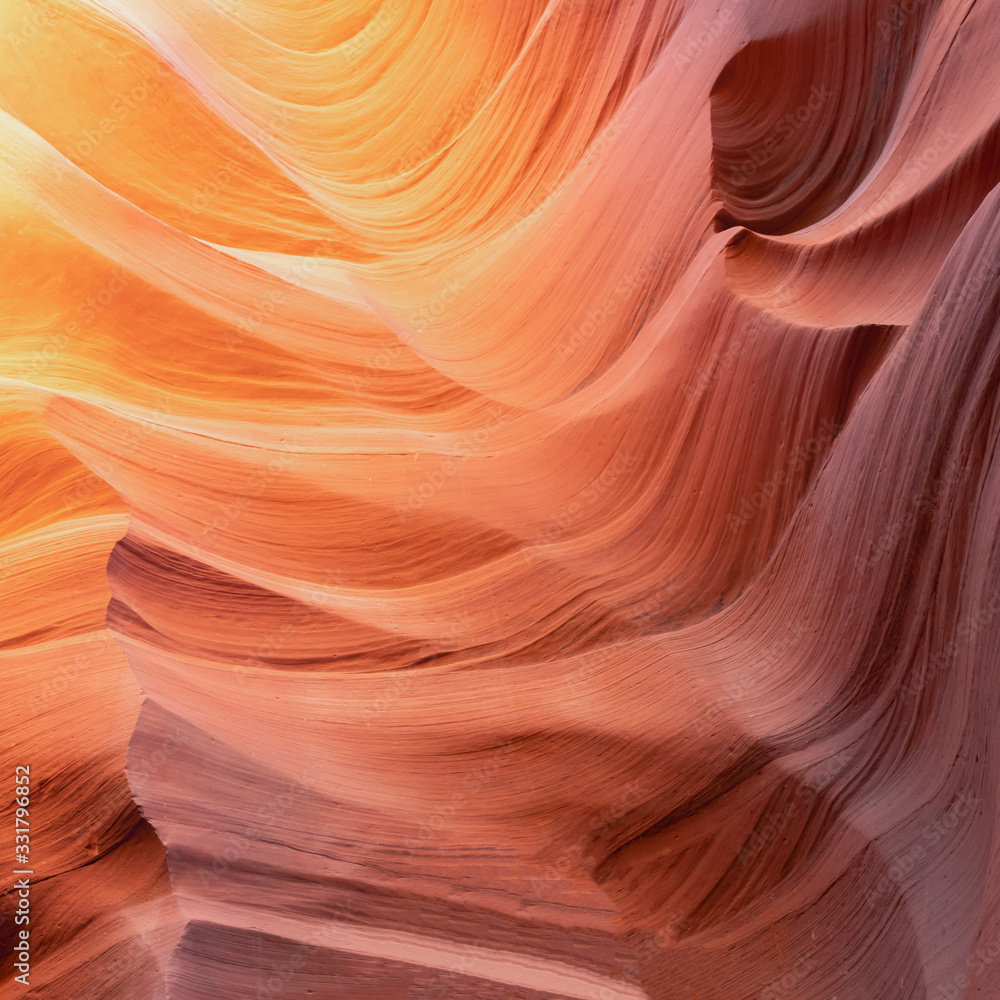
(501, 498)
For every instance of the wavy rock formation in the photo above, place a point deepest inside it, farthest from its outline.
(520, 481)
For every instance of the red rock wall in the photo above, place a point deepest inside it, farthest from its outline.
(501, 499)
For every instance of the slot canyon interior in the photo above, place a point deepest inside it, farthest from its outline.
(500, 499)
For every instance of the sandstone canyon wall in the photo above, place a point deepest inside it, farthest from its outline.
(501, 499)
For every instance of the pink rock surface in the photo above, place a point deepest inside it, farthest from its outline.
(519, 482)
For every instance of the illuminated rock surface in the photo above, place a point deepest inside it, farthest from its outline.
(519, 481)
